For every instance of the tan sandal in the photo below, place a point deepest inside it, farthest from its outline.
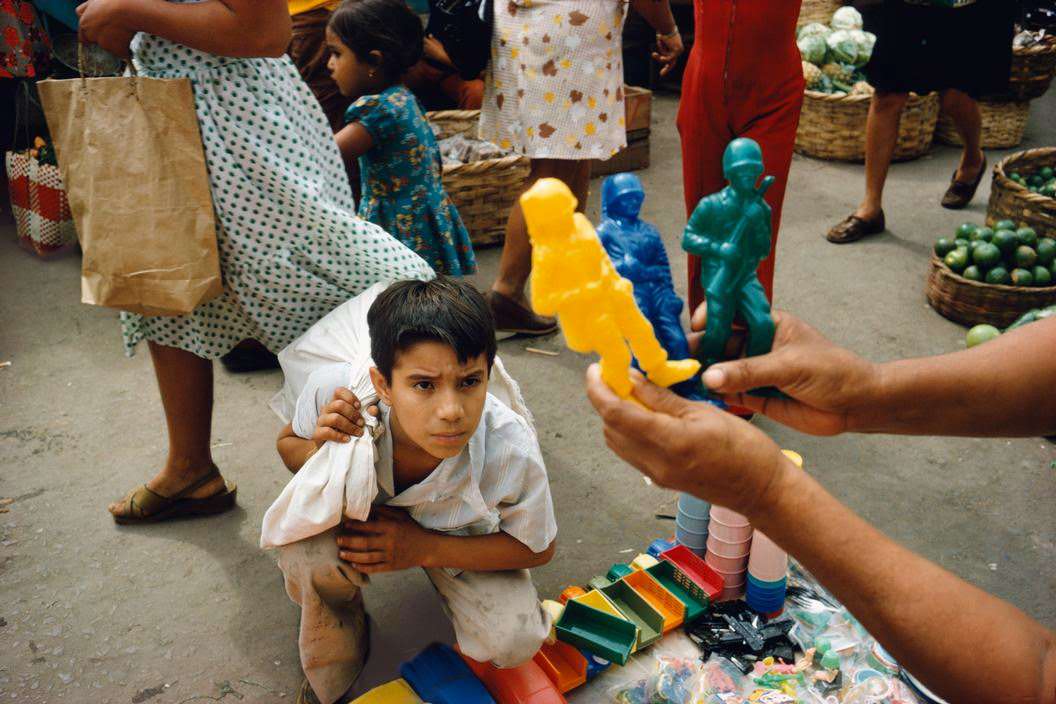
(853, 228)
(143, 505)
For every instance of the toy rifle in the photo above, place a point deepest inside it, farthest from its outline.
(725, 278)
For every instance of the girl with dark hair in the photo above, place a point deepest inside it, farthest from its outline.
(372, 45)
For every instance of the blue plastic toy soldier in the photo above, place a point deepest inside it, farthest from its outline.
(730, 232)
(637, 252)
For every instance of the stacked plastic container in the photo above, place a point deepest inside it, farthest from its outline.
(728, 547)
(768, 568)
(691, 524)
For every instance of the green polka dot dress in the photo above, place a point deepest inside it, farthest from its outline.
(291, 247)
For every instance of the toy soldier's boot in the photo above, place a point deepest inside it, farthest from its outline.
(672, 372)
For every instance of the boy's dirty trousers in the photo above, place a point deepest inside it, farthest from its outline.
(496, 615)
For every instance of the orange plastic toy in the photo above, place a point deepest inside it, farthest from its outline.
(563, 664)
(574, 279)
(524, 684)
(666, 603)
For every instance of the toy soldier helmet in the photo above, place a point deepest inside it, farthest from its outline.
(624, 183)
(617, 186)
(742, 152)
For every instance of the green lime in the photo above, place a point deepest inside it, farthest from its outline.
(972, 273)
(1014, 176)
(983, 233)
(1047, 173)
(1006, 241)
(1026, 257)
(1042, 276)
(1027, 236)
(944, 246)
(973, 244)
(961, 242)
(980, 334)
(1005, 225)
(965, 230)
(957, 260)
(1046, 250)
(998, 275)
(986, 255)
(1022, 277)
(1036, 180)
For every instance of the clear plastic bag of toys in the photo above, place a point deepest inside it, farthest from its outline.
(665, 683)
(718, 681)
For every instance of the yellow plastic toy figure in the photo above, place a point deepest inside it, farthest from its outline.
(574, 279)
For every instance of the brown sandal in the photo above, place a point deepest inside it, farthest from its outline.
(511, 317)
(960, 193)
(853, 228)
(144, 505)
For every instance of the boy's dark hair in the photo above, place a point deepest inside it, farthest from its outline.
(388, 26)
(442, 310)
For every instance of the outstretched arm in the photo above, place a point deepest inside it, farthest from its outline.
(922, 614)
(244, 28)
(1003, 388)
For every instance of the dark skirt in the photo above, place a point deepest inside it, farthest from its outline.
(921, 48)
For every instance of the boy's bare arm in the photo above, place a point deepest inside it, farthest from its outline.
(391, 540)
(339, 421)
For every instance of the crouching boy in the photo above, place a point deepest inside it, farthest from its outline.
(463, 491)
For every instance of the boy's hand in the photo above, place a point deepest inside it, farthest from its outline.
(388, 541)
(341, 418)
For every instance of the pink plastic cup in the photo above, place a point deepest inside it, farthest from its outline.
(767, 562)
(725, 548)
(732, 578)
(725, 564)
(727, 517)
(730, 535)
(731, 593)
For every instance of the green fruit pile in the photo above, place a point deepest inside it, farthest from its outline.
(1000, 255)
(1042, 182)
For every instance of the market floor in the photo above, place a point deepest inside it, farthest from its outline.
(195, 611)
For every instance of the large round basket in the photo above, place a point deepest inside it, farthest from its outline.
(817, 11)
(833, 126)
(1003, 125)
(483, 191)
(1011, 201)
(1032, 70)
(973, 303)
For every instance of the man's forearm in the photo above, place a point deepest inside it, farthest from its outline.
(925, 616)
(657, 13)
(482, 553)
(1003, 388)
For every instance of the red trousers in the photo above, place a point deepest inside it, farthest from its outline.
(743, 79)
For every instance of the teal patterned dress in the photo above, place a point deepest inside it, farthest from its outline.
(400, 176)
(291, 246)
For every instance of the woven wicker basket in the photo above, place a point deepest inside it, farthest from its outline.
(1032, 70)
(1011, 201)
(817, 11)
(1003, 125)
(973, 303)
(483, 191)
(833, 126)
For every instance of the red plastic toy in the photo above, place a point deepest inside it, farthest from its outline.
(698, 571)
(524, 684)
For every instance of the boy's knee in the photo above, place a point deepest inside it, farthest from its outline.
(310, 566)
(514, 640)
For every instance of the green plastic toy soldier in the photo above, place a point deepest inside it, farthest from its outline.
(730, 232)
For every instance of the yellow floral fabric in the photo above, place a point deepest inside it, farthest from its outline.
(554, 86)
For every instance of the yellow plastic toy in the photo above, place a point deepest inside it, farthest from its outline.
(395, 692)
(574, 279)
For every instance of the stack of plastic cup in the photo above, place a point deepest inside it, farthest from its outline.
(729, 544)
(767, 569)
(691, 524)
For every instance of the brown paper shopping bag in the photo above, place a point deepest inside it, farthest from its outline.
(131, 157)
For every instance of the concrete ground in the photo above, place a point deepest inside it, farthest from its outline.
(194, 611)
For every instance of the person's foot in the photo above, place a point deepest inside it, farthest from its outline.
(168, 484)
(856, 226)
(673, 372)
(514, 317)
(963, 185)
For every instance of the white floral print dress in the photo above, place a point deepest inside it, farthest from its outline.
(554, 86)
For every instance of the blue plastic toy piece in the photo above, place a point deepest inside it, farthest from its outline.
(439, 675)
(638, 253)
(731, 233)
(595, 665)
(660, 545)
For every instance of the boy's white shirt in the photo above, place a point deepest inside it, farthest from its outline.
(498, 482)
